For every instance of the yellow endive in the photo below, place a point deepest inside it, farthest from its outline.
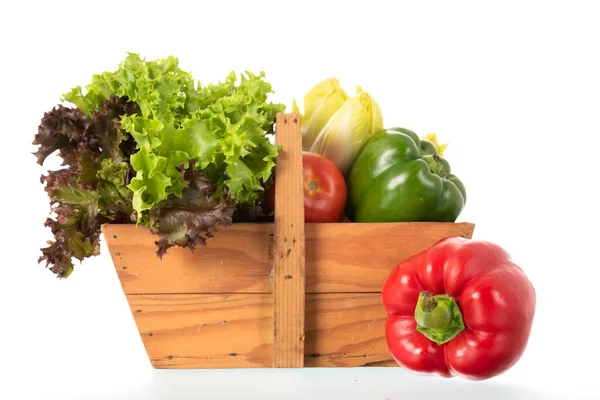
(346, 133)
(320, 103)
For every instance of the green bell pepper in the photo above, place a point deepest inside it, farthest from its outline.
(398, 177)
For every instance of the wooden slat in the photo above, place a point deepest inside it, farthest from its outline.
(235, 260)
(188, 331)
(205, 331)
(345, 330)
(288, 257)
(350, 257)
(338, 258)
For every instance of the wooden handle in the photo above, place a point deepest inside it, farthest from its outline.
(289, 272)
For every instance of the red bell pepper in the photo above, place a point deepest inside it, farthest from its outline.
(460, 308)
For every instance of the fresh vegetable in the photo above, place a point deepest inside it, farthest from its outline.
(349, 130)
(320, 103)
(324, 190)
(400, 178)
(91, 189)
(147, 144)
(336, 125)
(460, 308)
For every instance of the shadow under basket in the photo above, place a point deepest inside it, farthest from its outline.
(261, 295)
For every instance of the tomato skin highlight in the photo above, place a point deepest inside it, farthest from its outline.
(325, 190)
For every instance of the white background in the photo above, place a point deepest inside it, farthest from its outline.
(514, 87)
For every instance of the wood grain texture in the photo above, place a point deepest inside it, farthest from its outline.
(344, 257)
(288, 257)
(357, 257)
(205, 331)
(237, 259)
(345, 330)
(235, 331)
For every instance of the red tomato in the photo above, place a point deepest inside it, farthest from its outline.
(324, 190)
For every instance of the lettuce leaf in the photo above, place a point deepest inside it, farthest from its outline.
(91, 189)
(145, 143)
(224, 126)
(183, 221)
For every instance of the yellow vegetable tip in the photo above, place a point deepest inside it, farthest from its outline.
(295, 108)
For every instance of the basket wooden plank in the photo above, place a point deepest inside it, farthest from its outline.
(288, 257)
(343, 257)
(205, 331)
(235, 331)
(236, 260)
(358, 257)
(345, 330)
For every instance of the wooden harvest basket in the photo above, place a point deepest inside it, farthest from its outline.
(282, 294)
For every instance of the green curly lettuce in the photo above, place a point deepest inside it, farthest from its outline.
(147, 144)
(223, 126)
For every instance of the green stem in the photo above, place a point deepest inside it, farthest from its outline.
(438, 317)
(436, 164)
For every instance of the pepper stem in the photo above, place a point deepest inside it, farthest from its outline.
(435, 164)
(438, 317)
(428, 302)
